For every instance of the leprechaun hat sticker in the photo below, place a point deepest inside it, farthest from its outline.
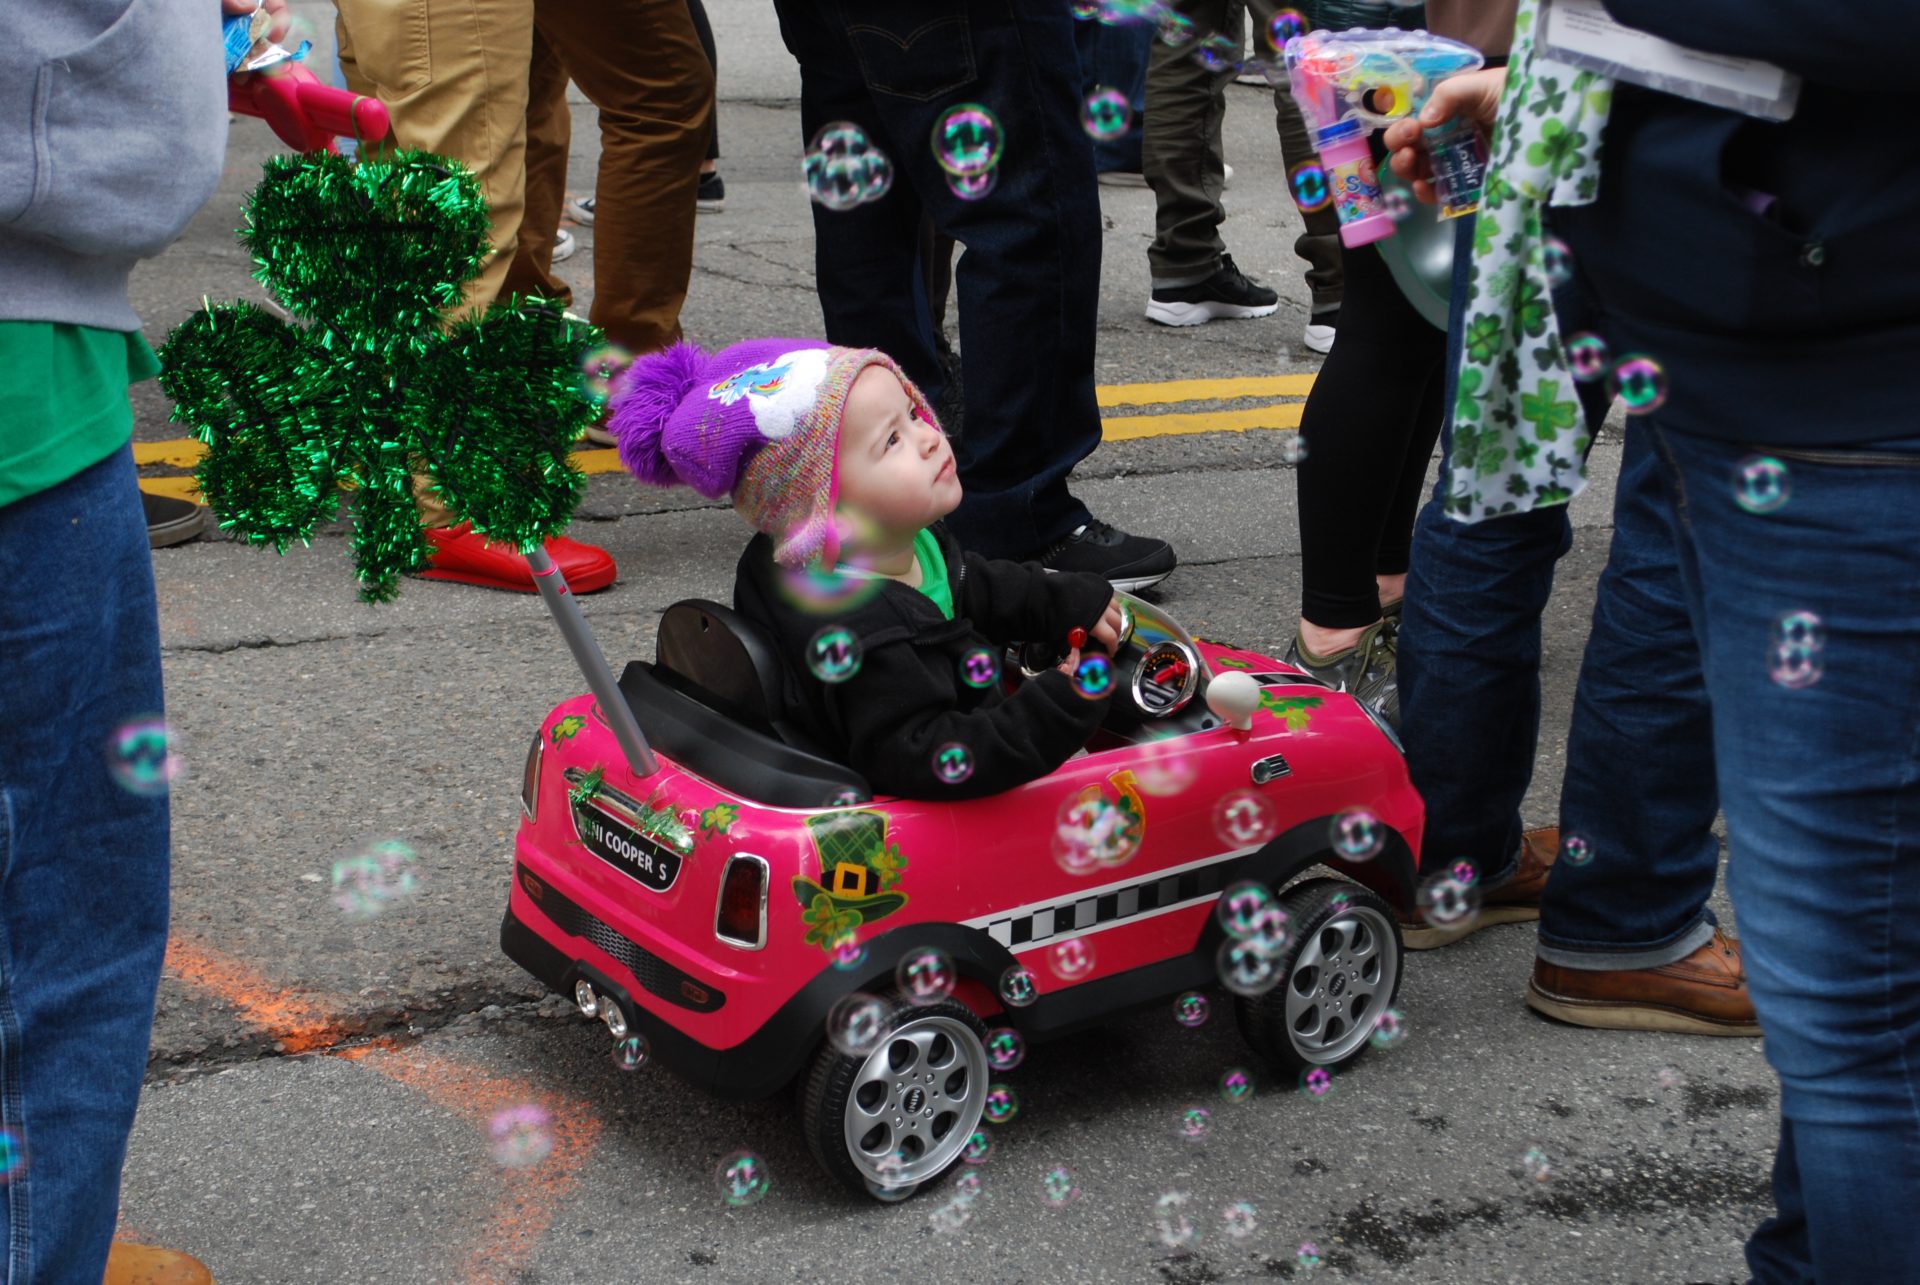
(859, 869)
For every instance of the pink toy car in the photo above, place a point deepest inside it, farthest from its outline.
(722, 905)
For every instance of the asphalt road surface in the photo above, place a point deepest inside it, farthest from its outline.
(323, 1089)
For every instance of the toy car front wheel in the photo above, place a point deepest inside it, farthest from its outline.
(898, 1117)
(1339, 973)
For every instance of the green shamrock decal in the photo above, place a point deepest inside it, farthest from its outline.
(568, 728)
(718, 819)
(1295, 711)
(826, 924)
(370, 383)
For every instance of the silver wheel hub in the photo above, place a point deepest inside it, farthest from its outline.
(1340, 983)
(915, 1101)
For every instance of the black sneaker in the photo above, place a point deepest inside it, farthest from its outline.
(1366, 669)
(1229, 292)
(1129, 562)
(713, 193)
(171, 521)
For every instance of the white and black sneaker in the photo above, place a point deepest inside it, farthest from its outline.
(1129, 562)
(1228, 294)
(581, 211)
(564, 246)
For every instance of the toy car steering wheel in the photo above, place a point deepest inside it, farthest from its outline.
(1155, 665)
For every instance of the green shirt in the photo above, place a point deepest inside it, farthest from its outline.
(933, 571)
(63, 400)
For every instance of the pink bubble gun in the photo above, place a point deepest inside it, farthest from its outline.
(1350, 83)
(305, 113)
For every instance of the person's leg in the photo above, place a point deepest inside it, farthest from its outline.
(1181, 155)
(1407, 489)
(640, 63)
(83, 860)
(549, 139)
(1319, 245)
(1114, 56)
(704, 30)
(1809, 624)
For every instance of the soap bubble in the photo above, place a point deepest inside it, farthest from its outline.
(844, 169)
(1243, 819)
(967, 140)
(1093, 832)
(1389, 1029)
(1217, 53)
(1238, 1220)
(847, 952)
(1195, 1124)
(1794, 649)
(1317, 1083)
(13, 1154)
(1308, 183)
(1105, 114)
(1761, 484)
(1557, 261)
(1535, 1164)
(1446, 903)
(979, 668)
(1190, 1010)
(821, 591)
(1358, 835)
(856, 1024)
(1307, 1256)
(926, 975)
(1093, 677)
(631, 1053)
(953, 763)
(979, 1147)
(521, 1136)
(1002, 1104)
(1057, 1187)
(1236, 1085)
(1284, 26)
(1587, 356)
(834, 654)
(1396, 204)
(971, 187)
(143, 756)
(743, 1178)
(1575, 850)
(1165, 768)
(1464, 872)
(1640, 384)
(1293, 449)
(600, 367)
(368, 883)
(1017, 987)
(1171, 1220)
(1248, 967)
(1005, 1048)
(1072, 960)
(1240, 907)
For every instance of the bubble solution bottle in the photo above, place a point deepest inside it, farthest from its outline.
(1355, 187)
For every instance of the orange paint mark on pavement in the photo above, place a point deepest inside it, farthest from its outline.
(532, 1196)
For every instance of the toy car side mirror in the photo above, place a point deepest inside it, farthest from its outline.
(1233, 697)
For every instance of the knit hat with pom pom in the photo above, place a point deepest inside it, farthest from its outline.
(759, 421)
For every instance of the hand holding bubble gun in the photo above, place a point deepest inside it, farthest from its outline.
(1349, 83)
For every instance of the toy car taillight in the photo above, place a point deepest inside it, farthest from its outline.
(530, 780)
(741, 918)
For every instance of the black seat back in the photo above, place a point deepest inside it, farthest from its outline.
(728, 658)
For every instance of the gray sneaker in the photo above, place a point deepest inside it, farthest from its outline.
(1366, 669)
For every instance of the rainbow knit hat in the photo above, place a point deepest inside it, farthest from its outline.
(759, 421)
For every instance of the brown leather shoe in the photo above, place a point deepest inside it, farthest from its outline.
(131, 1264)
(1703, 994)
(1514, 900)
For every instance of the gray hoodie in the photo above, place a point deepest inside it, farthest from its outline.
(113, 127)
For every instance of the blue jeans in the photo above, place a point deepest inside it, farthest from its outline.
(1820, 783)
(1029, 281)
(83, 862)
(1115, 57)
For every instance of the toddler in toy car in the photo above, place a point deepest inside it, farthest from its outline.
(891, 633)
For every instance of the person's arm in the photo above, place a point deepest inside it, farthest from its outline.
(1842, 42)
(1020, 601)
(1475, 95)
(899, 712)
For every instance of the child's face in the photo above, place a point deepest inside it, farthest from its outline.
(897, 471)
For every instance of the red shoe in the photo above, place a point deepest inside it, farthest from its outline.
(459, 554)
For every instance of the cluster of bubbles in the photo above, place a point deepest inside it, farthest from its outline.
(143, 758)
(1092, 833)
(979, 668)
(1105, 114)
(1636, 379)
(1243, 819)
(631, 1053)
(1236, 1084)
(1093, 676)
(1535, 1165)
(1316, 1082)
(522, 1136)
(844, 169)
(1191, 1010)
(1794, 647)
(953, 763)
(367, 883)
(1357, 835)
(1576, 850)
(1389, 1029)
(833, 654)
(743, 1179)
(599, 368)
(925, 975)
(967, 142)
(1002, 1104)
(13, 1154)
(1447, 902)
(1257, 933)
(1057, 1188)
(1761, 484)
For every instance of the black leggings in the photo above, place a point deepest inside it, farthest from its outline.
(1369, 427)
(704, 29)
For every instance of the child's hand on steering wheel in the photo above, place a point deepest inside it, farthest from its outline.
(1107, 632)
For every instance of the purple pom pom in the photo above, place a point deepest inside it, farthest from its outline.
(644, 399)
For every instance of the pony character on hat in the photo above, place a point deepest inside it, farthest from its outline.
(778, 392)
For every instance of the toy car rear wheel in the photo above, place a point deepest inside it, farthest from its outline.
(1340, 971)
(891, 1121)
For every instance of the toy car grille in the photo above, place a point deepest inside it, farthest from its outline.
(654, 974)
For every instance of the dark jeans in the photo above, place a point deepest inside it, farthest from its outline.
(1114, 56)
(1184, 164)
(83, 863)
(1029, 280)
(1821, 788)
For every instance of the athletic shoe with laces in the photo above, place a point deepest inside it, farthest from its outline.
(1366, 669)
(564, 246)
(581, 211)
(1228, 293)
(1129, 562)
(712, 197)
(1322, 328)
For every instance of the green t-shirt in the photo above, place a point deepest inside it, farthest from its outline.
(933, 571)
(63, 400)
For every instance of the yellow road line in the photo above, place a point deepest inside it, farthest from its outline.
(186, 452)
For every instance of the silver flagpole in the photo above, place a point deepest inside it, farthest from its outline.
(586, 654)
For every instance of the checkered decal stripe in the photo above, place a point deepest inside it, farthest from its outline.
(1111, 906)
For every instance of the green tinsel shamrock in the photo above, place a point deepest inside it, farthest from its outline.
(375, 386)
